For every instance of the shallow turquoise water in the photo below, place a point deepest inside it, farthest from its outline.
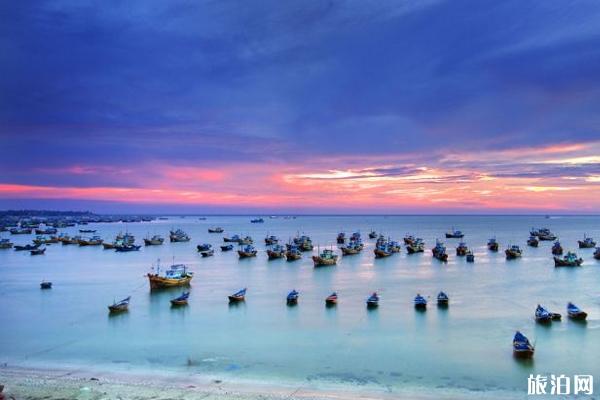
(466, 347)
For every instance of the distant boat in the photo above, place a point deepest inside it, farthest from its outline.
(409, 239)
(597, 253)
(182, 300)
(454, 234)
(276, 252)
(270, 240)
(575, 312)
(420, 302)
(325, 258)
(513, 252)
(557, 249)
(127, 248)
(492, 244)
(208, 253)
(383, 250)
(373, 300)
(416, 245)
(87, 231)
(216, 229)
(204, 247)
(354, 246)
(37, 252)
(155, 240)
(542, 315)
(293, 253)
(238, 296)
(247, 251)
(304, 243)
(20, 231)
(233, 239)
(292, 297)
(533, 241)
(522, 348)
(227, 247)
(341, 238)
(372, 235)
(569, 260)
(586, 243)
(439, 251)
(46, 285)
(121, 306)
(470, 257)
(462, 249)
(442, 299)
(5, 244)
(176, 275)
(257, 221)
(93, 241)
(47, 231)
(331, 299)
(178, 236)
(27, 247)
(246, 240)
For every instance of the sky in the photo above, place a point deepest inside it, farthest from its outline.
(424, 106)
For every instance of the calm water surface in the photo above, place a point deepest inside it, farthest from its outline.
(466, 347)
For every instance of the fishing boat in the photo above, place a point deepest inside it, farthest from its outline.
(409, 239)
(420, 302)
(247, 251)
(176, 275)
(355, 237)
(47, 231)
(46, 285)
(575, 312)
(373, 300)
(533, 241)
(27, 247)
(542, 315)
(37, 252)
(454, 234)
(569, 260)
(204, 247)
(341, 238)
(93, 241)
(382, 250)
(292, 253)
(275, 252)
(87, 231)
(492, 244)
(111, 245)
(522, 348)
(5, 244)
(246, 240)
(586, 243)
(292, 298)
(353, 247)
(416, 245)
(227, 247)
(439, 251)
(66, 240)
(182, 300)
(557, 249)
(127, 248)
(513, 252)
(208, 253)
(394, 246)
(178, 235)
(462, 249)
(121, 306)
(326, 257)
(332, 299)
(545, 234)
(216, 229)
(470, 257)
(372, 234)
(442, 299)
(271, 240)
(257, 221)
(238, 296)
(597, 253)
(155, 240)
(232, 239)
(304, 243)
(20, 231)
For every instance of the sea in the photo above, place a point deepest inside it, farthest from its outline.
(465, 349)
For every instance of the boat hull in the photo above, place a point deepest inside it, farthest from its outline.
(159, 282)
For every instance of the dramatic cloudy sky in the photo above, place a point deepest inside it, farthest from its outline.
(316, 106)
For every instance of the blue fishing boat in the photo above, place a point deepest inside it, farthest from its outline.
(227, 247)
(569, 260)
(470, 257)
(442, 299)
(27, 247)
(513, 252)
(372, 234)
(46, 285)
(178, 235)
(439, 251)
(292, 297)
(5, 244)
(492, 244)
(462, 249)
(454, 234)
(238, 296)
(208, 253)
(37, 252)
(215, 229)
(181, 300)
(275, 252)
(341, 238)
(120, 306)
(409, 239)
(575, 312)
(542, 315)
(257, 221)
(597, 253)
(533, 241)
(127, 247)
(586, 243)
(271, 240)
(373, 300)
(420, 302)
(557, 249)
(292, 252)
(522, 348)
(332, 299)
(415, 246)
(247, 251)
(383, 250)
(204, 247)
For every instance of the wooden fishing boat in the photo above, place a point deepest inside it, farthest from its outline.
(513, 252)
(470, 257)
(442, 299)
(46, 285)
(27, 247)
(543, 234)
(127, 248)
(93, 241)
(227, 247)
(292, 253)
(176, 275)
(416, 245)
(533, 241)
(575, 312)
(37, 252)
(569, 260)
(522, 348)
(246, 240)
(382, 251)
(292, 298)
(394, 246)
(5, 244)
(276, 252)
(20, 231)
(182, 300)
(542, 315)
(178, 236)
(420, 302)
(454, 234)
(586, 243)
(332, 299)
(238, 296)
(557, 249)
(203, 247)
(208, 253)
(247, 251)
(155, 240)
(271, 240)
(216, 229)
(492, 244)
(47, 231)
(372, 235)
(462, 249)
(341, 238)
(87, 231)
(373, 300)
(325, 258)
(121, 306)
(409, 239)
(351, 249)
(232, 239)
(304, 243)
(439, 251)
(110, 245)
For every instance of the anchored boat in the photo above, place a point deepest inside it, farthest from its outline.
(420, 302)
(247, 251)
(227, 247)
(292, 297)
(557, 249)
(415, 246)
(326, 257)
(238, 296)
(275, 252)
(178, 235)
(522, 348)
(586, 243)
(492, 244)
(182, 300)
(332, 299)
(575, 312)
(513, 252)
(373, 300)
(155, 240)
(569, 260)
(462, 249)
(216, 229)
(176, 275)
(293, 253)
(454, 234)
(442, 299)
(439, 251)
(533, 241)
(120, 306)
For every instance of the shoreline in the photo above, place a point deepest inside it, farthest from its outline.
(71, 383)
